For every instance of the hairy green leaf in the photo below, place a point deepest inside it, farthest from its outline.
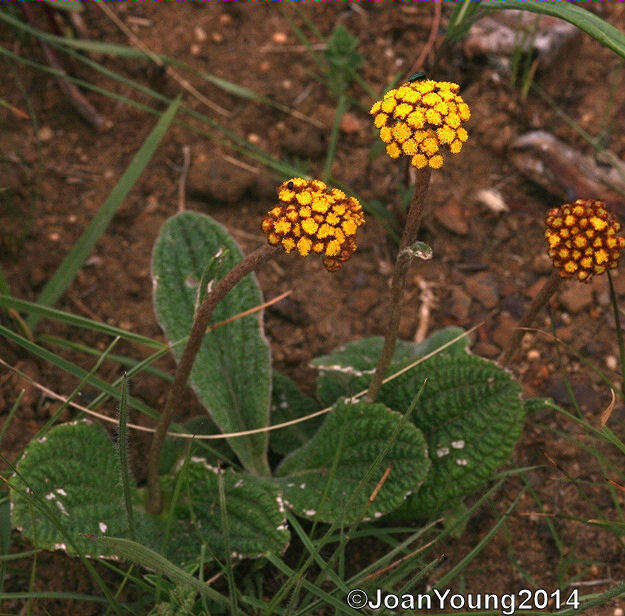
(254, 508)
(349, 369)
(232, 373)
(287, 403)
(74, 472)
(216, 451)
(320, 478)
(471, 413)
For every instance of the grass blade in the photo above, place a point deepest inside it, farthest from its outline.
(137, 553)
(9, 418)
(122, 450)
(123, 360)
(65, 5)
(583, 19)
(341, 109)
(67, 271)
(42, 311)
(74, 370)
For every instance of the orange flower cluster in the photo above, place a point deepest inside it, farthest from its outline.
(418, 118)
(313, 218)
(583, 239)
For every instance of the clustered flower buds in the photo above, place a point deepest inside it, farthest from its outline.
(419, 118)
(313, 218)
(583, 239)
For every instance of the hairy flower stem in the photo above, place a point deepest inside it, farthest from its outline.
(619, 329)
(200, 323)
(398, 282)
(551, 285)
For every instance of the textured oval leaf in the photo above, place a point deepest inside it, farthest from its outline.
(349, 369)
(288, 402)
(471, 413)
(232, 374)
(321, 480)
(216, 451)
(256, 523)
(74, 470)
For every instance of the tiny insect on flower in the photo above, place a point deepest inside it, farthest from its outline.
(420, 117)
(582, 239)
(314, 218)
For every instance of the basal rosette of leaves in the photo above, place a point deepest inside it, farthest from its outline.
(357, 461)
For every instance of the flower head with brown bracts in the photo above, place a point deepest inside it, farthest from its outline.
(583, 239)
(313, 218)
(420, 117)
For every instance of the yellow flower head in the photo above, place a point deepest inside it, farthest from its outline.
(314, 218)
(420, 117)
(583, 239)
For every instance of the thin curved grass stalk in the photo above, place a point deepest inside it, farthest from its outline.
(207, 437)
(202, 318)
(398, 282)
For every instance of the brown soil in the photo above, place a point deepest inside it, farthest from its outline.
(57, 171)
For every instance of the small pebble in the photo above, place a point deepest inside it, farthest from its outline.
(45, 133)
(533, 354)
(611, 362)
(287, 84)
(200, 34)
(493, 200)
(253, 138)
(217, 37)
(279, 37)
(618, 611)
(54, 236)
(225, 19)
(195, 49)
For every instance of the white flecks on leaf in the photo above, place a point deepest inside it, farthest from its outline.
(457, 444)
(102, 527)
(346, 369)
(281, 503)
(462, 461)
(309, 512)
(59, 504)
(207, 466)
(443, 451)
